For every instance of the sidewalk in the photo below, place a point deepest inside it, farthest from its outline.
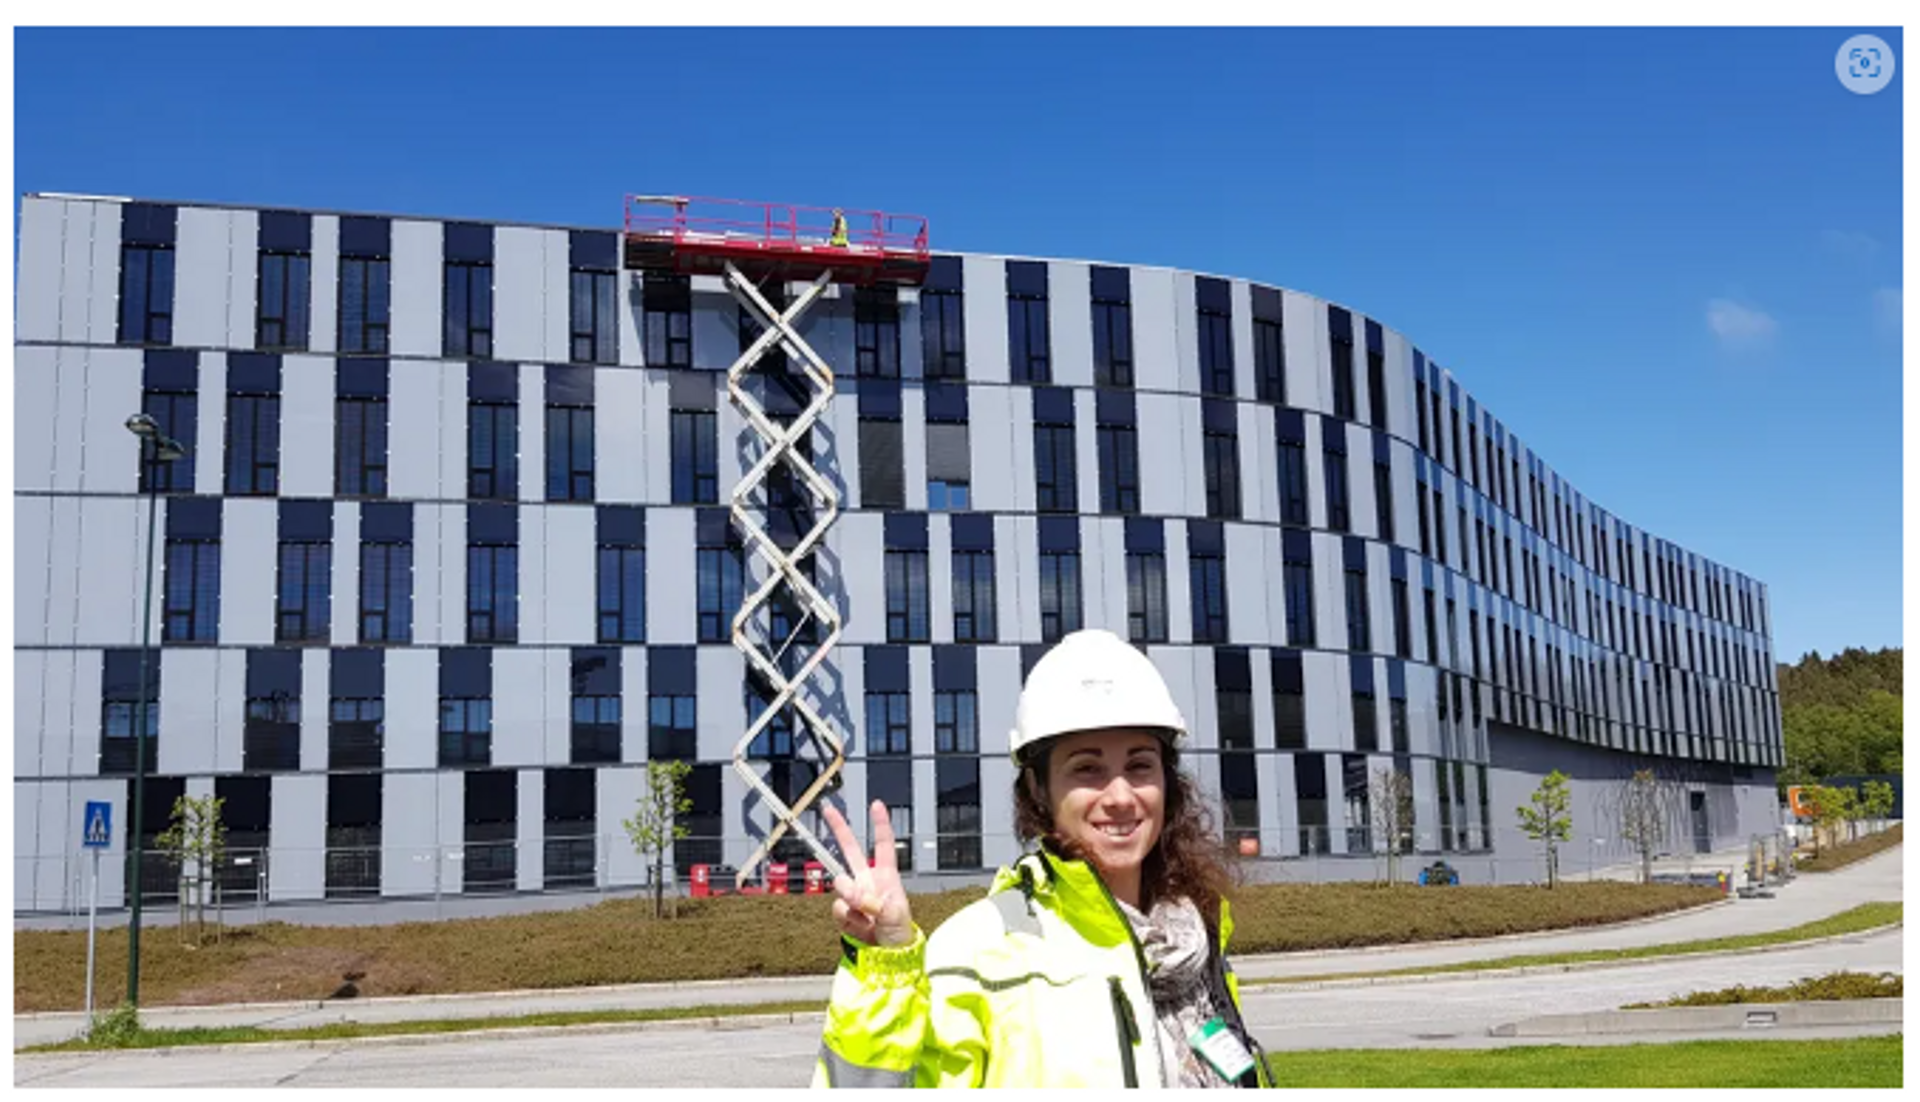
(1806, 899)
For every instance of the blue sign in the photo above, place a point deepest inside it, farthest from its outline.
(96, 826)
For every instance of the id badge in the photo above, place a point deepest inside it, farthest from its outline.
(1218, 1046)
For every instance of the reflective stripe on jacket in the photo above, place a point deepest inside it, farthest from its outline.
(1045, 960)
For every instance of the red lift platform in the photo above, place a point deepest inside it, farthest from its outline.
(701, 236)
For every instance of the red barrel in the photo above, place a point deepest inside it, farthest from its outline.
(816, 874)
(777, 878)
(700, 889)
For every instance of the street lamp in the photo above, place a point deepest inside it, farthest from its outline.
(156, 447)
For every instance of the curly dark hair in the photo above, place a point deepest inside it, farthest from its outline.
(1187, 860)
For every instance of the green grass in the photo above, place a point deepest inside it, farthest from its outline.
(1867, 916)
(349, 1031)
(1840, 856)
(1832, 987)
(1855, 1062)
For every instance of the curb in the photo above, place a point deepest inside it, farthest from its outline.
(732, 1022)
(1701, 1019)
(1252, 986)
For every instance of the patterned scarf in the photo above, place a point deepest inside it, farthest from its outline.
(1174, 938)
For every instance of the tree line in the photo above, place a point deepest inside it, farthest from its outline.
(1841, 716)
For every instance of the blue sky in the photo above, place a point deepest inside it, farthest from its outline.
(1670, 260)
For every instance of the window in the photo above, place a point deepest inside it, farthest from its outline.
(1426, 538)
(943, 328)
(889, 725)
(1028, 347)
(1376, 378)
(253, 424)
(1402, 628)
(1334, 454)
(1059, 594)
(947, 496)
(949, 458)
(1298, 576)
(270, 736)
(1147, 596)
(1353, 771)
(883, 466)
(1420, 400)
(1269, 347)
(596, 705)
(365, 284)
(876, 333)
(1222, 466)
(360, 428)
(356, 718)
(907, 596)
(1214, 313)
(122, 711)
(1055, 475)
(468, 304)
(1310, 797)
(1433, 630)
(720, 568)
(171, 385)
(1119, 447)
(466, 707)
(1342, 363)
(775, 740)
(1397, 720)
(191, 606)
(280, 324)
(667, 319)
(493, 569)
(1112, 327)
(956, 722)
(593, 320)
(1289, 701)
(303, 613)
(973, 597)
(353, 836)
(671, 731)
(146, 294)
(1366, 723)
(489, 858)
(386, 573)
(567, 855)
(957, 812)
(1208, 574)
(1359, 630)
(1383, 498)
(696, 457)
(1293, 482)
(569, 434)
(493, 443)
(621, 581)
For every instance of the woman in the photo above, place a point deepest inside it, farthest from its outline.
(1097, 959)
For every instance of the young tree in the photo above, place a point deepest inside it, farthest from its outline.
(1827, 808)
(655, 826)
(1643, 817)
(197, 840)
(1876, 802)
(1392, 804)
(1547, 818)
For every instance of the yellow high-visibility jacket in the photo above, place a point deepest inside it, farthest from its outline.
(1041, 984)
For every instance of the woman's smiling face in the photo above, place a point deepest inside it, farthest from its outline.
(1108, 795)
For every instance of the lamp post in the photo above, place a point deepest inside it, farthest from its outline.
(156, 448)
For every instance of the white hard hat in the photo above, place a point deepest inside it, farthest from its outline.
(1090, 681)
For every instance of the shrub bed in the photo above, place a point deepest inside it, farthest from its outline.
(619, 941)
(1833, 987)
(1840, 856)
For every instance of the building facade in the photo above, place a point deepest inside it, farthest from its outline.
(448, 559)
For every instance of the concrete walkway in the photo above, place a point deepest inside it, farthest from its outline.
(1808, 898)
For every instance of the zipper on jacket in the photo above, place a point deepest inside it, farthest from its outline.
(1126, 1028)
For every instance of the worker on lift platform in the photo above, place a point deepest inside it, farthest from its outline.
(839, 238)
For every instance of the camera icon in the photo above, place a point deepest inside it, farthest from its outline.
(1864, 64)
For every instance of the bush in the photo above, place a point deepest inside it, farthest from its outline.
(1840, 856)
(117, 1028)
(1833, 987)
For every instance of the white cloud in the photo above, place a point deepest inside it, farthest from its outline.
(1851, 244)
(1887, 304)
(1738, 325)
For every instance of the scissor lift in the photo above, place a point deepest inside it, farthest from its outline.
(748, 244)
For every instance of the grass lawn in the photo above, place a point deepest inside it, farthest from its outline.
(1867, 916)
(619, 941)
(1855, 1062)
(1840, 856)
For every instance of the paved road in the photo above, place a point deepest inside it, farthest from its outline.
(1806, 899)
(1431, 1014)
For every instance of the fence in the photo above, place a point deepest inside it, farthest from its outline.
(255, 881)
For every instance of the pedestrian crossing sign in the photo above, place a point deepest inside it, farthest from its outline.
(97, 824)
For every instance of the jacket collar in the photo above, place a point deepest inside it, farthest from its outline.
(1073, 890)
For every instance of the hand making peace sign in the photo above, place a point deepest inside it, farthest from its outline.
(872, 906)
